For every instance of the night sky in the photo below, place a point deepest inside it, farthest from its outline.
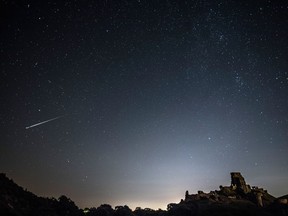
(150, 98)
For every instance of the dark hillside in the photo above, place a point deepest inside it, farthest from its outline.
(235, 200)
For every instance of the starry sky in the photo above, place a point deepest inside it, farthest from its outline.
(151, 98)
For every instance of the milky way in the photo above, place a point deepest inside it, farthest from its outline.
(159, 97)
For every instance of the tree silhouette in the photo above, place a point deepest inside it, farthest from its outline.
(67, 207)
(123, 211)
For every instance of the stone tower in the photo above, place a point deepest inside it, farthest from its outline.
(238, 182)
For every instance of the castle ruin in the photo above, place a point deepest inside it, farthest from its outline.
(238, 183)
(238, 190)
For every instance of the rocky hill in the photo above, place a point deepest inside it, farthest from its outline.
(237, 199)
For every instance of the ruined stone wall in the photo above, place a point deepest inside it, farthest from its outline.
(238, 180)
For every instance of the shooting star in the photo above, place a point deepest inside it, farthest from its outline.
(40, 123)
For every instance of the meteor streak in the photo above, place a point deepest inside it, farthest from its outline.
(40, 123)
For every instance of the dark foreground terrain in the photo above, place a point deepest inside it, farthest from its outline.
(237, 199)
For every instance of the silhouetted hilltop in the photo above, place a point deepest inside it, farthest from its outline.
(14, 200)
(237, 199)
